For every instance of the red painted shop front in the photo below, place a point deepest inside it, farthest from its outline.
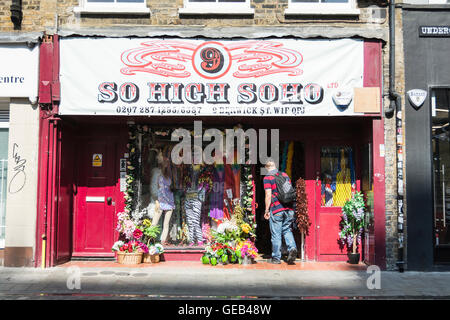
(84, 154)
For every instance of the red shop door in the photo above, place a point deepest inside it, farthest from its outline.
(335, 182)
(95, 220)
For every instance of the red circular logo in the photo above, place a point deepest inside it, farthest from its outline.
(211, 60)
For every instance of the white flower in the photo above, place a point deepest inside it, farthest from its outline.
(159, 248)
(227, 226)
(117, 244)
(152, 250)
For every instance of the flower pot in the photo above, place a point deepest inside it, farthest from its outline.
(353, 258)
(151, 258)
(129, 258)
(247, 260)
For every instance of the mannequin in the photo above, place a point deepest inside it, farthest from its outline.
(193, 205)
(165, 199)
(153, 206)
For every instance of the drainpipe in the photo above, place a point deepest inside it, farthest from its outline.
(16, 13)
(395, 107)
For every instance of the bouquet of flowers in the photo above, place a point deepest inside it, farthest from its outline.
(352, 223)
(149, 233)
(227, 231)
(125, 225)
(246, 248)
(131, 246)
(219, 252)
(156, 249)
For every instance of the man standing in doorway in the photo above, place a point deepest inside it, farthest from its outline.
(280, 216)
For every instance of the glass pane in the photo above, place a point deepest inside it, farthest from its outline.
(304, 1)
(3, 177)
(202, 0)
(337, 175)
(441, 164)
(130, 1)
(231, 0)
(186, 201)
(100, 1)
(334, 1)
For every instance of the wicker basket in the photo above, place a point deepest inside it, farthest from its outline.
(129, 258)
(151, 258)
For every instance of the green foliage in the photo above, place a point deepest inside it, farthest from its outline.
(353, 221)
(150, 233)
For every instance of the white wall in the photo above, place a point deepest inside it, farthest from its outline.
(23, 148)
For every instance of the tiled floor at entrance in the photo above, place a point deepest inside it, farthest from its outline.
(260, 265)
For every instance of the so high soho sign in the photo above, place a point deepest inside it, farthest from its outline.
(194, 77)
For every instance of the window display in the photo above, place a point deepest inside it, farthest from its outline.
(338, 175)
(187, 201)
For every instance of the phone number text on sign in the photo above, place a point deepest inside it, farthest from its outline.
(183, 110)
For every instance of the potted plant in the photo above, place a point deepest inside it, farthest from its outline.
(246, 252)
(154, 252)
(217, 252)
(129, 252)
(352, 226)
(149, 235)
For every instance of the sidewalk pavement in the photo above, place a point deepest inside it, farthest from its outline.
(192, 280)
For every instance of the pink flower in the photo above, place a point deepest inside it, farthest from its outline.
(137, 234)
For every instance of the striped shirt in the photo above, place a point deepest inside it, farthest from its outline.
(270, 184)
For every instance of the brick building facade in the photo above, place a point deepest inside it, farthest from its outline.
(261, 19)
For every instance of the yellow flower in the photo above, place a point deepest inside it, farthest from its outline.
(245, 227)
(146, 223)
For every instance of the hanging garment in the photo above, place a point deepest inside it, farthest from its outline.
(193, 207)
(343, 183)
(229, 182)
(165, 195)
(216, 195)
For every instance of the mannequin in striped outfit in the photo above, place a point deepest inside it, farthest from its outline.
(195, 196)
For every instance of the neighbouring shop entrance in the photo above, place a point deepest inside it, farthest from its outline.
(440, 109)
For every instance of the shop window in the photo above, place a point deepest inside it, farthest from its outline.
(187, 201)
(4, 132)
(219, 7)
(440, 132)
(112, 6)
(337, 175)
(322, 7)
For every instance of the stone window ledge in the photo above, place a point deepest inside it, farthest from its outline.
(112, 10)
(217, 10)
(319, 12)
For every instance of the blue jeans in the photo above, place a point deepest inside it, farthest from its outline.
(280, 225)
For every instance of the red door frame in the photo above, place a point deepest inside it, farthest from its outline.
(49, 146)
(318, 208)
